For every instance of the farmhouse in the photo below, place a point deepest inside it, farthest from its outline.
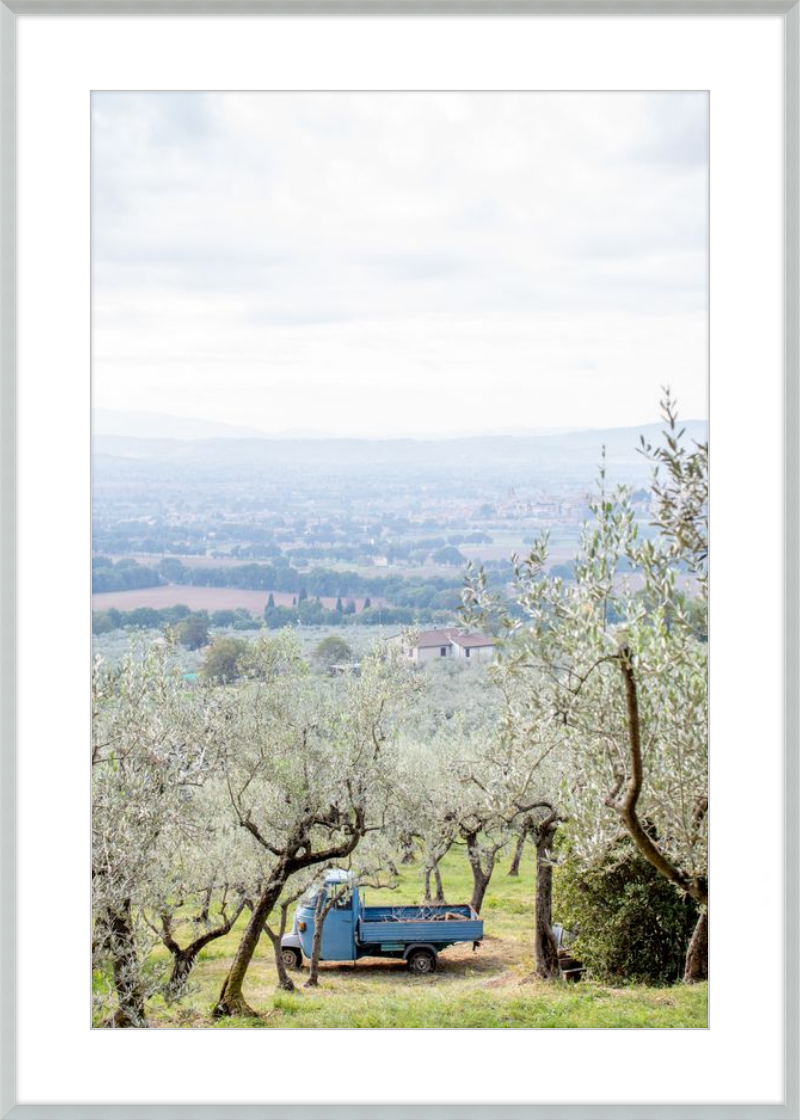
(432, 645)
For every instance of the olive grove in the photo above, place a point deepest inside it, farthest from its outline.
(610, 669)
(308, 774)
(218, 801)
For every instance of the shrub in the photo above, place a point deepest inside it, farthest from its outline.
(631, 924)
(331, 651)
(222, 660)
(193, 631)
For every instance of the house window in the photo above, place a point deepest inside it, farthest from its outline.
(466, 651)
(443, 651)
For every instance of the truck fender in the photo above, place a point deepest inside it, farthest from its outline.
(419, 945)
(291, 941)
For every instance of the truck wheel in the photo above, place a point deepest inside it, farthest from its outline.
(422, 962)
(292, 958)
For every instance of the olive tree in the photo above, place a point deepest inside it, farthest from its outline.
(151, 750)
(425, 806)
(308, 768)
(611, 659)
(467, 786)
(202, 882)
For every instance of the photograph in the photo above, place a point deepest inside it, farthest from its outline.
(399, 559)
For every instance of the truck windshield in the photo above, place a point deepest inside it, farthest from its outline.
(309, 899)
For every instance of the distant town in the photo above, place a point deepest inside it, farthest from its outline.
(328, 533)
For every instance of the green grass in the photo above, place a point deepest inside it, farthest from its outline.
(488, 988)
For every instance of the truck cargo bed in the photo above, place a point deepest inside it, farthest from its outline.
(431, 924)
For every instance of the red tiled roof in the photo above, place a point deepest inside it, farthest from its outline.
(429, 638)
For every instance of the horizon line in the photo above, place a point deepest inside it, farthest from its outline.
(290, 436)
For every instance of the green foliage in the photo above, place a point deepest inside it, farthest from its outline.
(102, 623)
(124, 575)
(222, 660)
(332, 650)
(157, 618)
(680, 489)
(449, 555)
(193, 631)
(612, 666)
(631, 924)
(305, 586)
(223, 618)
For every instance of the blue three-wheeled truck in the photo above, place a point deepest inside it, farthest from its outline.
(416, 934)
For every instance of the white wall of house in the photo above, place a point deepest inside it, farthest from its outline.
(473, 653)
(433, 653)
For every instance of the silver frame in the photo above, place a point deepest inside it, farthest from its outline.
(9, 9)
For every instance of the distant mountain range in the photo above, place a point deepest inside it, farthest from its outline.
(110, 424)
(158, 425)
(548, 451)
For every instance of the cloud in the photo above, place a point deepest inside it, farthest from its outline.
(326, 244)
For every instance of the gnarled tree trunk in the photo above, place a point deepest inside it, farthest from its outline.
(285, 982)
(231, 1000)
(297, 854)
(203, 916)
(432, 872)
(625, 803)
(321, 911)
(545, 948)
(696, 969)
(437, 876)
(125, 968)
(482, 865)
(407, 844)
(518, 848)
(184, 960)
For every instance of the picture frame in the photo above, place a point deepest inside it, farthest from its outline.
(11, 1106)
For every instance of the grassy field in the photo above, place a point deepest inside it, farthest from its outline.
(487, 988)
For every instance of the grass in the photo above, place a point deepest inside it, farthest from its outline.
(488, 988)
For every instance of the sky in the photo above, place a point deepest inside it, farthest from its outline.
(384, 265)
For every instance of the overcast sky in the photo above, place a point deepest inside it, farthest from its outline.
(400, 264)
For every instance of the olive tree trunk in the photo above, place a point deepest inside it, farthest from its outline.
(184, 960)
(205, 911)
(321, 911)
(125, 968)
(231, 1000)
(437, 877)
(696, 968)
(482, 863)
(518, 848)
(285, 982)
(432, 872)
(407, 845)
(545, 948)
(624, 800)
(297, 854)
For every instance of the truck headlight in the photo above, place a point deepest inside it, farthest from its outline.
(301, 926)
